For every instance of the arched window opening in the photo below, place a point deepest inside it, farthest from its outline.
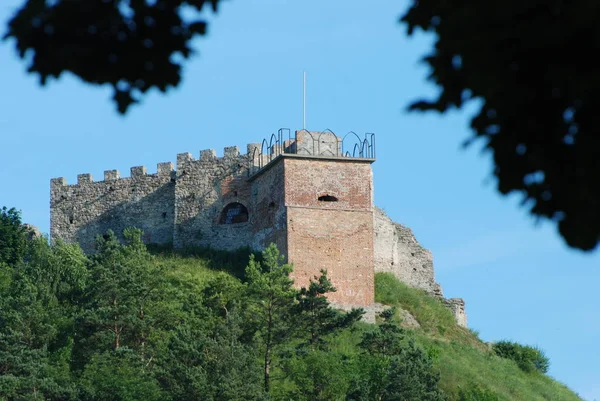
(327, 198)
(234, 213)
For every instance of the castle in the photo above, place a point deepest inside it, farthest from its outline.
(310, 193)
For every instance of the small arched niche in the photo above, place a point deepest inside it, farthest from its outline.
(327, 198)
(234, 213)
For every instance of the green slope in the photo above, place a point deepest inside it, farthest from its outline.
(461, 357)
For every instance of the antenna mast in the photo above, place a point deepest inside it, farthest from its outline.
(304, 101)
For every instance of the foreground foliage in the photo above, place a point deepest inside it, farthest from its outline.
(127, 44)
(538, 113)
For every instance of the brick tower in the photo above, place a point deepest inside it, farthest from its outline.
(328, 197)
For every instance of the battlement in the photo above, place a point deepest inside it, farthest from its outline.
(163, 169)
(230, 153)
(258, 154)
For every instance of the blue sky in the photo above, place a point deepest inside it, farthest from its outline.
(518, 278)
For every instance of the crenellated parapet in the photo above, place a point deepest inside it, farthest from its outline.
(78, 212)
(150, 201)
(206, 185)
(208, 158)
(165, 169)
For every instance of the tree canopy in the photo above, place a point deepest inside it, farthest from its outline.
(127, 44)
(526, 61)
(12, 236)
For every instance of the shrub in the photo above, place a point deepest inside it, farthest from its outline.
(474, 392)
(528, 358)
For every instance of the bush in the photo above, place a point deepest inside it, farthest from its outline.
(474, 392)
(528, 358)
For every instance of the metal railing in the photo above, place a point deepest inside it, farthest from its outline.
(324, 143)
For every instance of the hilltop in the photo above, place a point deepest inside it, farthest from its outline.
(132, 323)
(463, 360)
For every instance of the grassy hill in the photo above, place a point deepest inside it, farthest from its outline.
(463, 360)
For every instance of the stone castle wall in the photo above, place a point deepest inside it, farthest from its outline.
(457, 306)
(204, 187)
(81, 211)
(181, 207)
(397, 251)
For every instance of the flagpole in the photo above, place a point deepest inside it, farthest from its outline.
(304, 101)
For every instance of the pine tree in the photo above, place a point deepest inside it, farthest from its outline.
(273, 298)
(316, 317)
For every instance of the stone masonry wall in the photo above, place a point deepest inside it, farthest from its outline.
(204, 187)
(398, 251)
(457, 306)
(333, 235)
(79, 212)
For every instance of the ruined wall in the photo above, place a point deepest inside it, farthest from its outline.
(398, 251)
(457, 306)
(204, 187)
(333, 235)
(79, 212)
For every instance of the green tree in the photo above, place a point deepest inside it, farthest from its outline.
(222, 293)
(212, 363)
(12, 236)
(32, 349)
(393, 367)
(120, 303)
(272, 301)
(319, 375)
(316, 317)
(314, 369)
(232, 363)
(58, 271)
(119, 375)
